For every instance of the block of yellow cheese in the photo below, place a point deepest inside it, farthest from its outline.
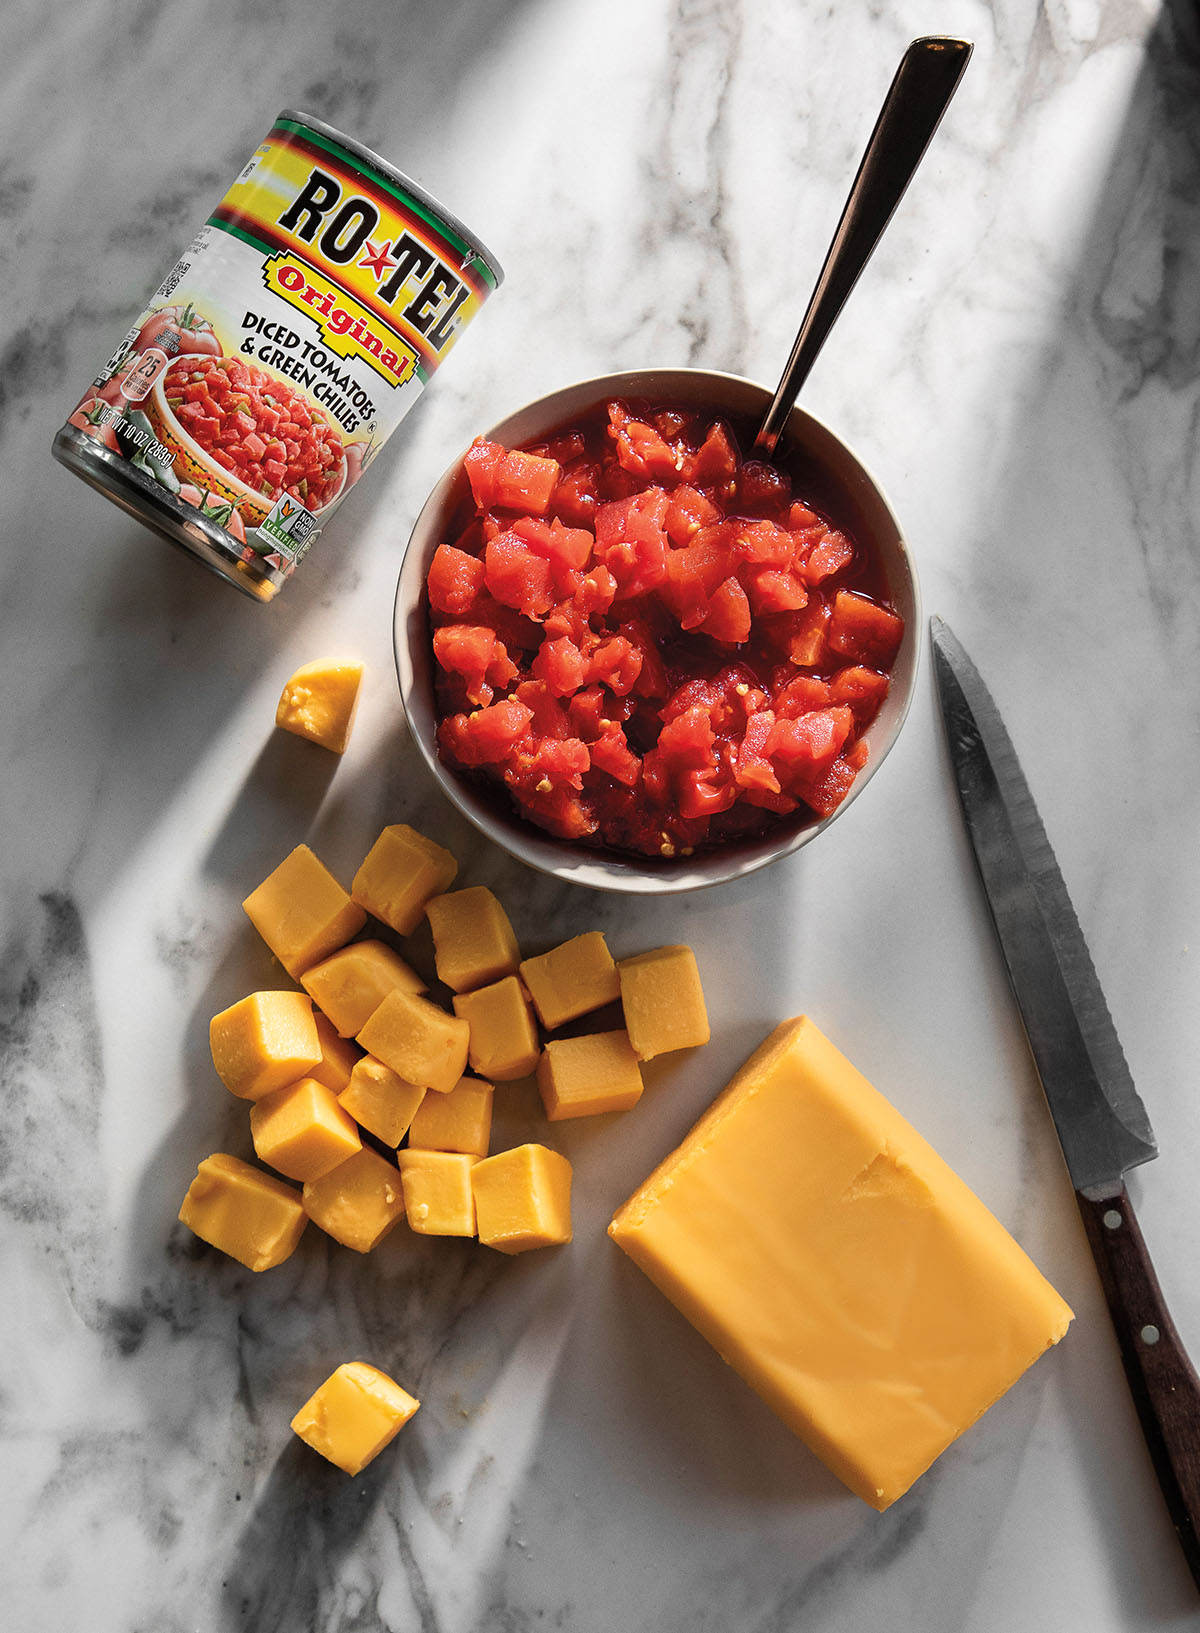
(504, 1038)
(320, 701)
(379, 1100)
(252, 1216)
(458, 1121)
(353, 1415)
(663, 1001)
(583, 1077)
(358, 1202)
(437, 1191)
(350, 985)
(836, 1261)
(263, 1042)
(522, 1199)
(572, 979)
(302, 913)
(338, 1055)
(302, 1131)
(400, 875)
(473, 941)
(418, 1040)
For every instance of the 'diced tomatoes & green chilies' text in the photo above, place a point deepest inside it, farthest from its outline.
(650, 641)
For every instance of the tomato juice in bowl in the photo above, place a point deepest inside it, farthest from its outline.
(826, 476)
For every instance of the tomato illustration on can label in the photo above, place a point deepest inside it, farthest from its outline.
(279, 353)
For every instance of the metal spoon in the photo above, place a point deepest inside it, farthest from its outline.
(919, 95)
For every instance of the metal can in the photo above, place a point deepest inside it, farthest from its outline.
(278, 354)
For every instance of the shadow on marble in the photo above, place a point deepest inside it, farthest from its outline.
(273, 810)
(307, 1518)
(1126, 346)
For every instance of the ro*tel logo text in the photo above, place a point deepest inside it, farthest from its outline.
(405, 270)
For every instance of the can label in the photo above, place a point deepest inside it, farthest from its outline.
(286, 343)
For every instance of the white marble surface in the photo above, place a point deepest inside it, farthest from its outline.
(1020, 367)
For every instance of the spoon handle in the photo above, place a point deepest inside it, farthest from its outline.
(919, 95)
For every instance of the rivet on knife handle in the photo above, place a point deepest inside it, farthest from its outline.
(1162, 1380)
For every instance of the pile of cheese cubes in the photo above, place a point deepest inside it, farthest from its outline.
(363, 1059)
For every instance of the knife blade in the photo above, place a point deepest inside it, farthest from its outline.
(1101, 1122)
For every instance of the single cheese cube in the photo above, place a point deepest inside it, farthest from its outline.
(458, 1121)
(832, 1257)
(350, 985)
(380, 1101)
(263, 1042)
(473, 942)
(523, 1199)
(504, 1040)
(320, 702)
(582, 1077)
(358, 1202)
(252, 1216)
(417, 1039)
(663, 1001)
(337, 1055)
(302, 913)
(437, 1191)
(302, 1131)
(401, 875)
(570, 980)
(354, 1415)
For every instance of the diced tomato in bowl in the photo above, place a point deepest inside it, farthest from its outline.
(641, 659)
(255, 428)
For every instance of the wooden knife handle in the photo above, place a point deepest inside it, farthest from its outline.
(1164, 1384)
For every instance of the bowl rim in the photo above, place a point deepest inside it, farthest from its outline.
(606, 870)
(252, 496)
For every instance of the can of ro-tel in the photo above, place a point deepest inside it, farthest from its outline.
(278, 354)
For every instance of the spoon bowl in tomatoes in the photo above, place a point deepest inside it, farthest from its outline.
(641, 661)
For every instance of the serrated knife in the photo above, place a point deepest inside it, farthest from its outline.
(1101, 1122)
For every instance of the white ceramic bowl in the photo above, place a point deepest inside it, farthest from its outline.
(825, 472)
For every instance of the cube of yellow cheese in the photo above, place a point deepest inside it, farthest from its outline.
(337, 1055)
(402, 873)
(458, 1121)
(523, 1199)
(252, 1216)
(353, 1415)
(302, 1131)
(418, 1040)
(358, 1202)
(663, 1001)
(572, 979)
(302, 913)
(582, 1077)
(473, 941)
(504, 1039)
(380, 1101)
(437, 1191)
(263, 1042)
(833, 1258)
(320, 701)
(350, 985)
